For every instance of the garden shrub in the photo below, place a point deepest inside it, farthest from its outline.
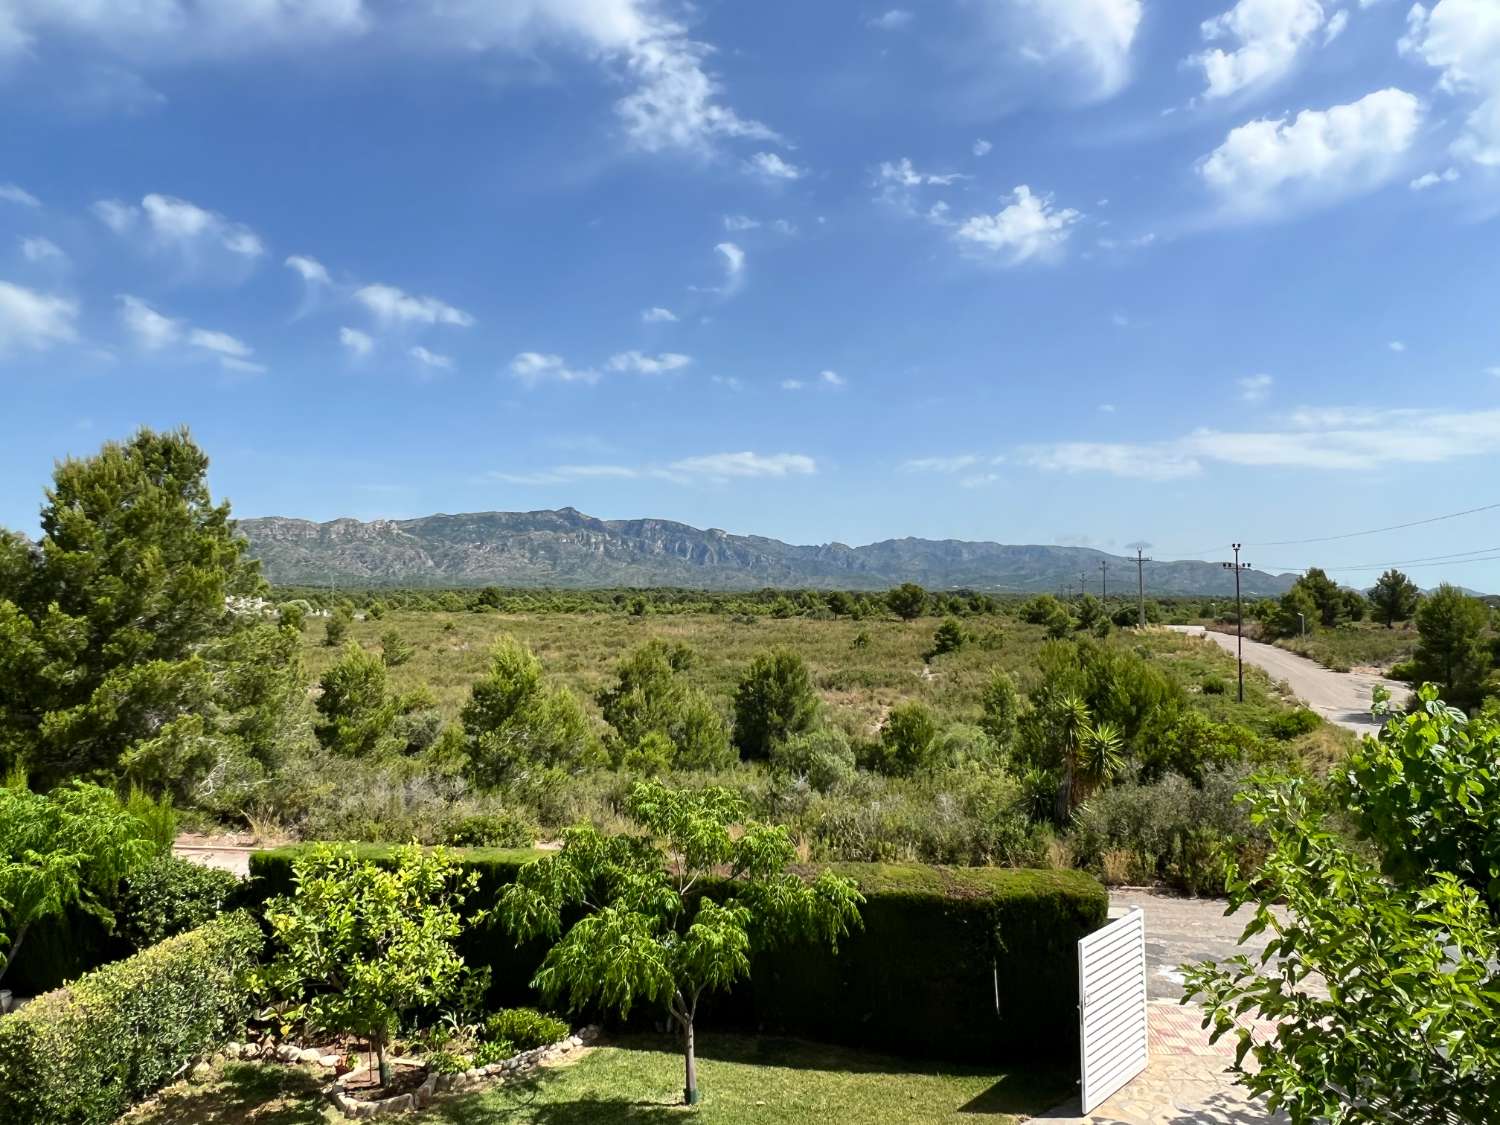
(84, 1054)
(171, 896)
(918, 979)
(492, 830)
(524, 1028)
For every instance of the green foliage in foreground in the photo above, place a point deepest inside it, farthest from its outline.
(358, 945)
(66, 849)
(764, 1081)
(642, 939)
(83, 1054)
(1410, 1026)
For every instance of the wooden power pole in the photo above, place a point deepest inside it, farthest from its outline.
(1140, 586)
(1239, 615)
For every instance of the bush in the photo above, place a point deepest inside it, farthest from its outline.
(822, 756)
(171, 896)
(394, 648)
(84, 1054)
(524, 1028)
(950, 637)
(336, 628)
(492, 830)
(1288, 725)
(774, 700)
(908, 740)
(1171, 831)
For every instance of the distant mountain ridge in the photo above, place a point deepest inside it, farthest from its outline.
(565, 547)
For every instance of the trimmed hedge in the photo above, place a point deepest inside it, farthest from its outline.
(920, 978)
(85, 1053)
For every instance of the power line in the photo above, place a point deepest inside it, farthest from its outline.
(1460, 556)
(1377, 530)
(1385, 566)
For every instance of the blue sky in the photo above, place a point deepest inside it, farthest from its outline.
(1078, 271)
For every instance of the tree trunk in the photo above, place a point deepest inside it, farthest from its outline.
(15, 947)
(385, 1066)
(690, 1061)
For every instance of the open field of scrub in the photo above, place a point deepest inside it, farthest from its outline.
(1361, 644)
(861, 668)
(638, 1080)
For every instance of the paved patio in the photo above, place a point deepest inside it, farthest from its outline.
(1186, 1082)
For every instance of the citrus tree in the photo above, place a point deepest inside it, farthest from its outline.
(359, 945)
(672, 912)
(68, 848)
(1380, 977)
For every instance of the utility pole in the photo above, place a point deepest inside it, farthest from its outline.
(1104, 580)
(1140, 585)
(1239, 615)
(1083, 584)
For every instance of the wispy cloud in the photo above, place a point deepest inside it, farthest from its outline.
(770, 166)
(359, 344)
(1334, 439)
(390, 306)
(34, 321)
(1029, 228)
(540, 367)
(14, 193)
(712, 467)
(430, 360)
(641, 364)
(155, 331)
(658, 315)
(1255, 388)
(894, 19)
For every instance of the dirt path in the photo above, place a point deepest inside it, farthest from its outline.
(1340, 697)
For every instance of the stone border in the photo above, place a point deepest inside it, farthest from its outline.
(435, 1086)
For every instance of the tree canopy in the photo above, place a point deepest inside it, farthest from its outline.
(652, 933)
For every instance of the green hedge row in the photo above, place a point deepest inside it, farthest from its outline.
(939, 944)
(85, 1053)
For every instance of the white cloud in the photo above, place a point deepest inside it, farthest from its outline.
(893, 20)
(430, 359)
(1359, 439)
(793, 385)
(537, 367)
(640, 364)
(1318, 156)
(1255, 388)
(177, 222)
(978, 480)
(1396, 346)
(14, 193)
(940, 464)
(982, 147)
(1337, 24)
(241, 366)
(390, 306)
(1268, 36)
(1432, 179)
(740, 222)
(772, 167)
(151, 329)
(903, 174)
(784, 226)
(1119, 320)
(729, 381)
(658, 315)
(1106, 408)
(310, 270)
(33, 320)
(832, 379)
(1495, 371)
(115, 214)
(360, 344)
(1462, 39)
(1092, 39)
(40, 249)
(221, 343)
(1027, 228)
(720, 465)
(674, 102)
(734, 264)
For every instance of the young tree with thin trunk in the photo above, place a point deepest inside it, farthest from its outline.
(654, 930)
(1394, 598)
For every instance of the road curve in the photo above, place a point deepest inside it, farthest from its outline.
(1340, 697)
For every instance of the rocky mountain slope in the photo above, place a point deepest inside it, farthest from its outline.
(568, 548)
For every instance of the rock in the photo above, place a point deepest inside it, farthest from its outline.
(250, 1051)
(287, 1053)
(232, 1049)
(200, 1072)
(330, 1061)
(310, 1055)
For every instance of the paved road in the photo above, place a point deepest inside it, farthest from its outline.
(1340, 697)
(1184, 930)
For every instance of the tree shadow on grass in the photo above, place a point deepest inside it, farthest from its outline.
(516, 1103)
(242, 1093)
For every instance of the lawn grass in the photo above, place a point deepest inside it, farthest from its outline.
(638, 1079)
(1364, 644)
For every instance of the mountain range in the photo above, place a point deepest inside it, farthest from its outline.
(567, 548)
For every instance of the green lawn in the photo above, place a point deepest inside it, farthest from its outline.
(744, 1081)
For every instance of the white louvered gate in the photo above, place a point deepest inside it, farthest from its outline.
(1112, 1006)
